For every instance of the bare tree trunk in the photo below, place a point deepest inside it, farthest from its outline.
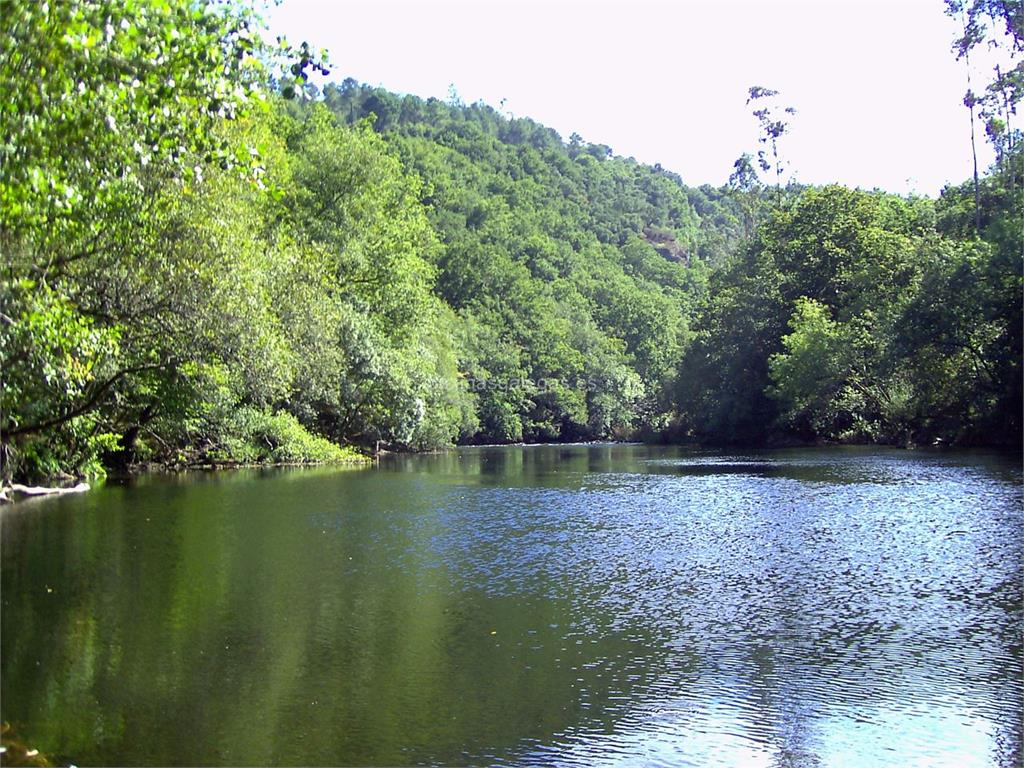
(974, 156)
(969, 102)
(1008, 152)
(778, 172)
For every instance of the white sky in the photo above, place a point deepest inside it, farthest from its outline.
(877, 90)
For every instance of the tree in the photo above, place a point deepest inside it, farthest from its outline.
(808, 373)
(101, 101)
(771, 116)
(996, 26)
(835, 268)
(746, 188)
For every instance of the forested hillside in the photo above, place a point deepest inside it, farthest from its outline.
(205, 260)
(574, 273)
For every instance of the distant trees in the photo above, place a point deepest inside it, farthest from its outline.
(200, 270)
(858, 316)
(572, 323)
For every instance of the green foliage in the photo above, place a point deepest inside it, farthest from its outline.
(575, 269)
(54, 355)
(253, 436)
(807, 374)
(860, 316)
(199, 269)
(137, 256)
(94, 92)
(54, 359)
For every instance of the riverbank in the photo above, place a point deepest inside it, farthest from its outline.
(15, 492)
(60, 485)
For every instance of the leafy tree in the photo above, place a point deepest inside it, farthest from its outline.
(806, 374)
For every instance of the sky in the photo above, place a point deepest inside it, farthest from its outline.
(878, 92)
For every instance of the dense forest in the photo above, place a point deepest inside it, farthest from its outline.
(208, 260)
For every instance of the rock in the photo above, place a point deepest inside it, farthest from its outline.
(17, 491)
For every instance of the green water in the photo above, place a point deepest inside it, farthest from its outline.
(583, 605)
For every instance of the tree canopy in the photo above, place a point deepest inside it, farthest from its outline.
(208, 260)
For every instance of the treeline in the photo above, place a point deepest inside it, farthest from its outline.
(191, 273)
(207, 261)
(864, 317)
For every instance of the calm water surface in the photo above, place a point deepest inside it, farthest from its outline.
(587, 605)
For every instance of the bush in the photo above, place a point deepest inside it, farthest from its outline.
(252, 436)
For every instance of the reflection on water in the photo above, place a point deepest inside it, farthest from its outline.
(581, 605)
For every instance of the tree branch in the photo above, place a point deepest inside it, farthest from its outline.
(85, 407)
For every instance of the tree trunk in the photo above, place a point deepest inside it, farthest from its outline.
(974, 156)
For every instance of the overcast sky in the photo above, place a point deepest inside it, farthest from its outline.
(877, 90)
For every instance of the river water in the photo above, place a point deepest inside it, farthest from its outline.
(568, 605)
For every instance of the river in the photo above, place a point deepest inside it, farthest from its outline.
(568, 605)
